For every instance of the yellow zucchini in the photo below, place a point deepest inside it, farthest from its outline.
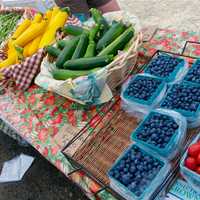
(57, 22)
(34, 31)
(21, 28)
(11, 60)
(37, 18)
(34, 45)
(26, 50)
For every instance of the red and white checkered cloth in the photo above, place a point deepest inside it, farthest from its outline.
(24, 73)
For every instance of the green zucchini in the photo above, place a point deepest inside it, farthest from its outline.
(64, 74)
(116, 30)
(66, 53)
(90, 52)
(73, 30)
(99, 19)
(53, 51)
(93, 32)
(88, 63)
(61, 44)
(119, 43)
(81, 47)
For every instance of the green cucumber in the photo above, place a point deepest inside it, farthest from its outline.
(64, 74)
(73, 30)
(88, 63)
(53, 51)
(119, 43)
(90, 52)
(66, 53)
(115, 31)
(81, 47)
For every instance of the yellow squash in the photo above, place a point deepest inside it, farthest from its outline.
(34, 45)
(26, 50)
(55, 11)
(37, 18)
(11, 48)
(21, 28)
(31, 33)
(57, 22)
(11, 60)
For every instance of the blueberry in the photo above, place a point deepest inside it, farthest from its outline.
(163, 66)
(142, 87)
(182, 97)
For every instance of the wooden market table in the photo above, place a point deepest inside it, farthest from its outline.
(59, 129)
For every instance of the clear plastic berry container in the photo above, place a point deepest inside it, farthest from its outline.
(193, 75)
(141, 93)
(149, 170)
(184, 97)
(190, 176)
(167, 67)
(162, 131)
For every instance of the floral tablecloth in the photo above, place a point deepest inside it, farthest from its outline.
(45, 119)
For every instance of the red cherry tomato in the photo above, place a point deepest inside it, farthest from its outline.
(198, 170)
(198, 159)
(190, 163)
(194, 150)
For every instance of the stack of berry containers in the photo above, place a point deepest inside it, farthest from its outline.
(141, 93)
(185, 99)
(190, 164)
(137, 173)
(169, 68)
(162, 131)
(193, 74)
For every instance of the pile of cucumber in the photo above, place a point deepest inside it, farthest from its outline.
(89, 50)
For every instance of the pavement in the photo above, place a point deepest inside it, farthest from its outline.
(174, 14)
(43, 181)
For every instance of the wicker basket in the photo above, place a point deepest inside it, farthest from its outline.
(115, 73)
(123, 66)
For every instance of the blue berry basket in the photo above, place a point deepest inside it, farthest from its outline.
(179, 71)
(139, 107)
(191, 177)
(148, 187)
(193, 117)
(174, 143)
(193, 75)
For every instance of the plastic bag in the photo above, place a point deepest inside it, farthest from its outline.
(72, 89)
(147, 189)
(139, 108)
(176, 75)
(14, 170)
(191, 177)
(175, 143)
